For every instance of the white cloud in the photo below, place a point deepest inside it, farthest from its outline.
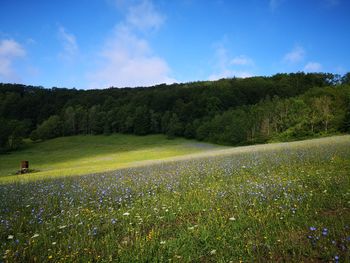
(294, 56)
(69, 43)
(222, 57)
(10, 48)
(230, 74)
(126, 59)
(144, 16)
(227, 67)
(10, 51)
(313, 67)
(242, 61)
(140, 14)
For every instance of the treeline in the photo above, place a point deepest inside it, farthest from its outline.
(319, 111)
(228, 111)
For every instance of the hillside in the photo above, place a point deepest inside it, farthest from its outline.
(264, 203)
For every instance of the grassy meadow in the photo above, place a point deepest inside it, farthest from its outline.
(78, 155)
(285, 202)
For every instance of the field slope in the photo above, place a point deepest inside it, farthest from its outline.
(78, 155)
(284, 202)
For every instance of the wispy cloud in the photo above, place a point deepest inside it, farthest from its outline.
(274, 4)
(230, 74)
(242, 61)
(69, 44)
(10, 50)
(227, 67)
(144, 16)
(296, 55)
(127, 59)
(313, 67)
(140, 14)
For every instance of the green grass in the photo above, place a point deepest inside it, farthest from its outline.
(79, 155)
(287, 202)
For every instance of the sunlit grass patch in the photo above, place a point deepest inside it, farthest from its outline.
(79, 155)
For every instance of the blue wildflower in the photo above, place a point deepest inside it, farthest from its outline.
(312, 228)
(325, 232)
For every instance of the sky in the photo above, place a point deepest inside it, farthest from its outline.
(88, 44)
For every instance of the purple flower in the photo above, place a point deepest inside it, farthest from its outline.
(312, 228)
(336, 258)
(325, 232)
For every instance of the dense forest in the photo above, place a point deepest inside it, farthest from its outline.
(228, 111)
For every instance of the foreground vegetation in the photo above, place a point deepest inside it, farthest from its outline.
(77, 155)
(268, 203)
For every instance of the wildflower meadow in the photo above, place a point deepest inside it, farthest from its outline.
(286, 202)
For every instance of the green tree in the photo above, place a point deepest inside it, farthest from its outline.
(18, 131)
(142, 123)
(345, 126)
(12, 133)
(346, 78)
(51, 128)
(165, 121)
(155, 122)
(323, 111)
(95, 120)
(5, 132)
(81, 118)
(69, 121)
(237, 130)
(175, 127)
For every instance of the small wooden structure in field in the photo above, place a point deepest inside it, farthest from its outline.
(24, 167)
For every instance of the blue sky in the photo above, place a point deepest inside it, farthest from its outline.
(102, 43)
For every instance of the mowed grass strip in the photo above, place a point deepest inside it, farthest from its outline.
(77, 155)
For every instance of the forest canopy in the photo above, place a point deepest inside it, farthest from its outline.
(228, 111)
